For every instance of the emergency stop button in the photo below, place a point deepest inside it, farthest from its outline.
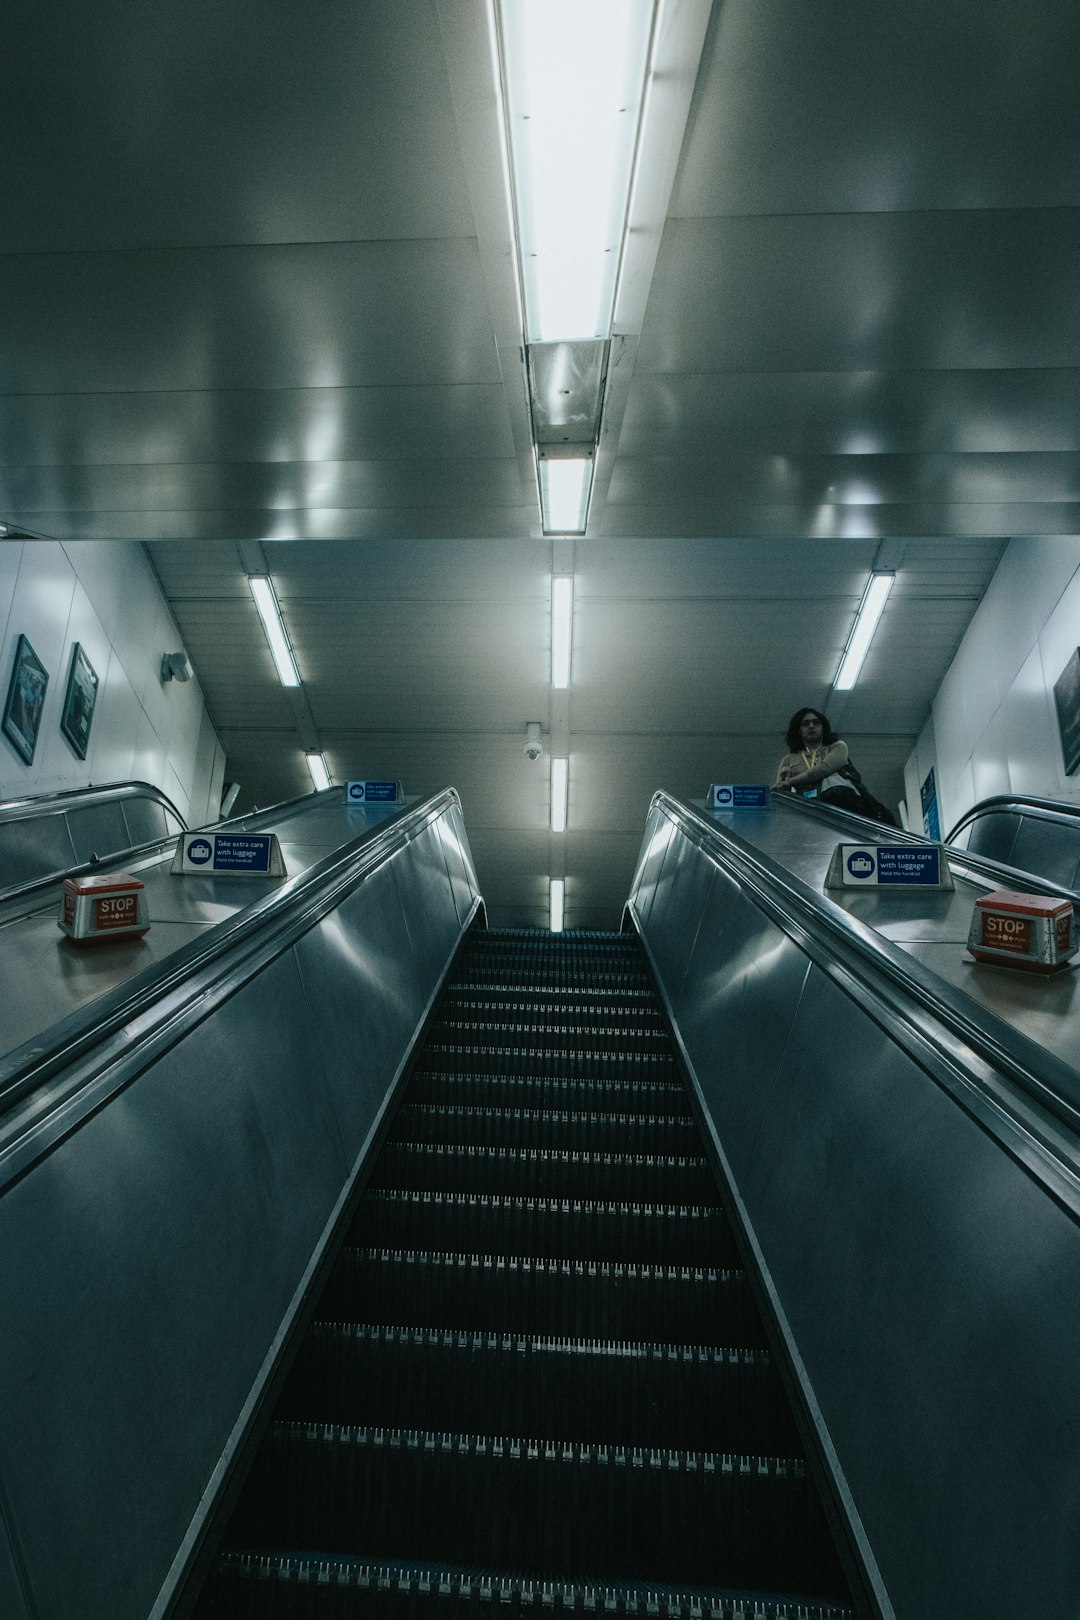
(108, 905)
(1031, 931)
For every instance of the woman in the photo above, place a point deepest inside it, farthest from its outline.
(812, 765)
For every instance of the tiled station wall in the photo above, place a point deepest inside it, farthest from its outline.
(993, 724)
(106, 597)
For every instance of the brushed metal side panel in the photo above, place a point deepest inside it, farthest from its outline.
(658, 835)
(735, 1013)
(423, 887)
(365, 997)
(31, 848)
(933, 1290)
(681, 888)
(148, 1262)
(100, 829)
(458, 858)
(12, 1603)
(146, 820)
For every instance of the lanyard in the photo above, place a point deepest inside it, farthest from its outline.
(810, 760)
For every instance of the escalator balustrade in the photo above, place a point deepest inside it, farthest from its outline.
(536, 1377)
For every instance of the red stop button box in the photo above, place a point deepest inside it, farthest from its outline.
(1031, 931)
(108, 905)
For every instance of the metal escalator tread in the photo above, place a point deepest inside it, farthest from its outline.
(566, 1508)
(283, 1586)
(601, 1391)
(537, 1091)
(663, 1135)
(632, 1177)
(546, 1228)
(536, 1373)
(575, 1298)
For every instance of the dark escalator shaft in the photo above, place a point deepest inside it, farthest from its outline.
(536, 1373)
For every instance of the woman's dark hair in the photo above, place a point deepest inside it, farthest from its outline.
(794, 737)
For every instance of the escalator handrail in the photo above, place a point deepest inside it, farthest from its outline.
(39, 889)
(981, 1058)
(51, 1083)
(996, 873)
(1059, 810)
(40, 805)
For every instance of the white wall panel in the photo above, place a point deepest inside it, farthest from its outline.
(115, 727)
(994, 715)
(107, 599)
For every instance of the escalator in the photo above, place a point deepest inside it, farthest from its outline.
(536, 1376)
(53, 833)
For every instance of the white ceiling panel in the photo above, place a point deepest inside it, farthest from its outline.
(851, 108)
(860, 292)
(194, 125)
(465, 420)
(853, 413)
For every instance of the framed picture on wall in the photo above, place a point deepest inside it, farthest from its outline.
(25, 700)
(1067, 699)
(79, 700)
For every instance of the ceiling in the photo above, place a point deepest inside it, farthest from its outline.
(259, 310)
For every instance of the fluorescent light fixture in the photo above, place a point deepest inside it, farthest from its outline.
(875, 596)
(556, 889)
(267, 603)
(560, 792)
(562, 621)
(574, 78)
(565, 486)
(320, 776)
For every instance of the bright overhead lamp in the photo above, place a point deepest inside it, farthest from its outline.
(574, 80)
(270, 613)
(565, 486)
(560, 792)
(562, 622)
(556, 891)
(320, 776)
(874, 598)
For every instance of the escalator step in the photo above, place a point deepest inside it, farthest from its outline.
(257, 1586)
(620, 1394)
(565, 1096)
(621, 1039)
(468, 1223)
(573, 1063)
(571, 1511)
(599, 1177)
(501, 1127)
(643, 1002)
(553, 1298)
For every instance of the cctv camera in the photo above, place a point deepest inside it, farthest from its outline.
(533, 746)
(533, 750)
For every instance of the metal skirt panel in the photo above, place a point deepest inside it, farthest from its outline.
(926, 1283)
(154, 1257)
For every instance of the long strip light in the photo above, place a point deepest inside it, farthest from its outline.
(565, 487)
(556, 900)
(560, 792)
(873, 602)
(575, 86)
(270, 613)
(562, 623)
(320, 776)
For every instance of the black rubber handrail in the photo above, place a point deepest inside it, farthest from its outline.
(51, 1083)
(40, 889)
(57, 803)
(1059, 810)
(997, 873)
(990, 1067)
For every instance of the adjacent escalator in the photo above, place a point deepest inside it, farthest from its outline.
(536, 1375)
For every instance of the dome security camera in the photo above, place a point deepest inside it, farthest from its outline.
(533, 746)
